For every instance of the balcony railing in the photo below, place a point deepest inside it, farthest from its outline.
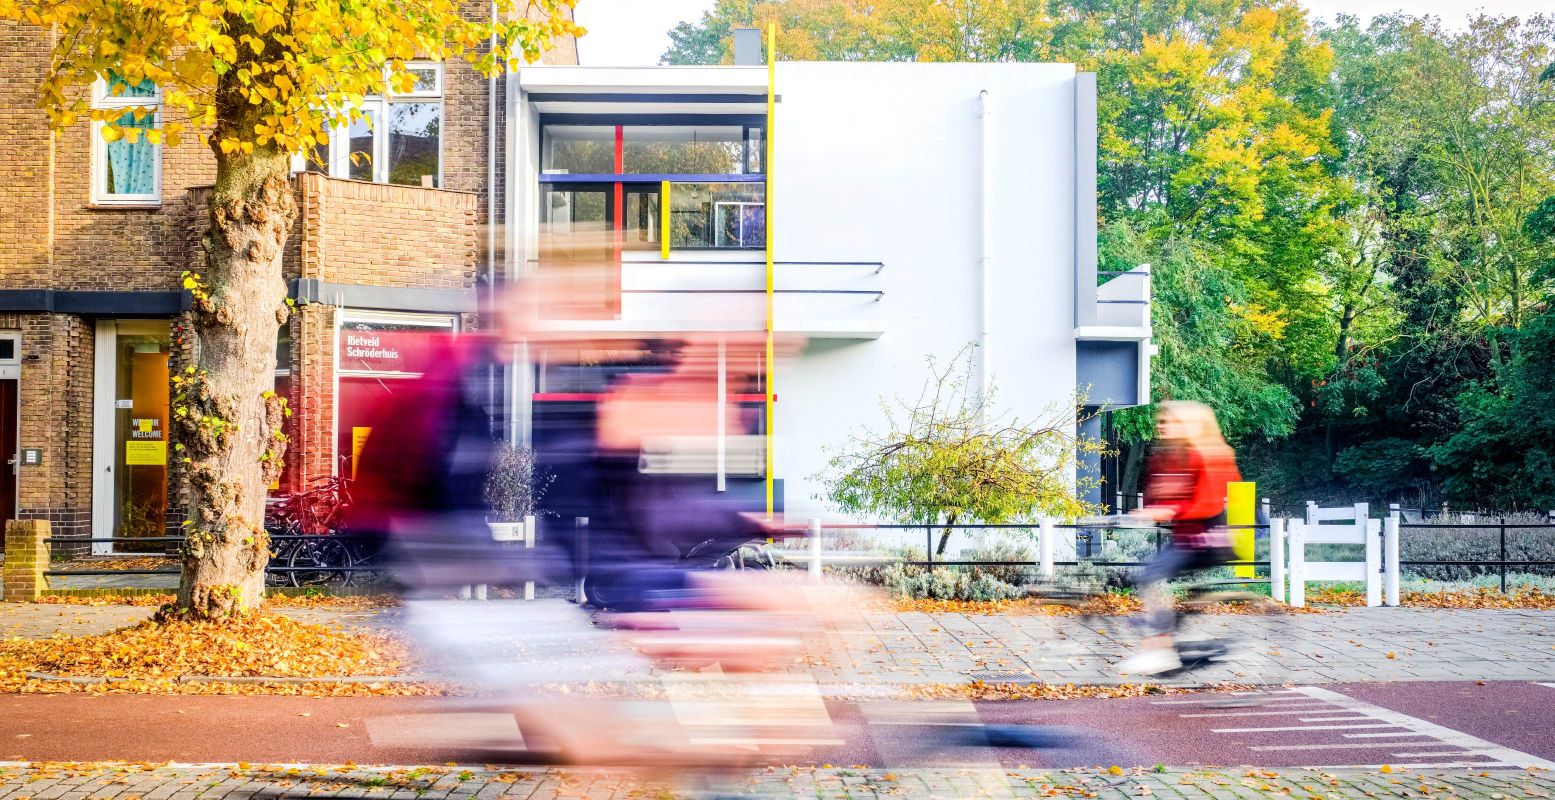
(1118, 307)
(836, 299)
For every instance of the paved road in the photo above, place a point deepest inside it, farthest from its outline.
(1494, 725)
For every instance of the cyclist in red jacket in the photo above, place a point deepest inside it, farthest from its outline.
(1186, 487)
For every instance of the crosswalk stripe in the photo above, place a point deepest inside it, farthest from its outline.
(1283, 712)
(1303, 728)
(1447, 736)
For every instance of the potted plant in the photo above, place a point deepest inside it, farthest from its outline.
(511, 492)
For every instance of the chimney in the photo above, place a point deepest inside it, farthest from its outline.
(747, 47)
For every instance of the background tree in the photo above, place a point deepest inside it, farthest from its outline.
(950, 457)
(1343, 221)
(256, 81)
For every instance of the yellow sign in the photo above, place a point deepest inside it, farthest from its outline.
(144, 425)
(145, 453)
(358, 441)
(1242, 510)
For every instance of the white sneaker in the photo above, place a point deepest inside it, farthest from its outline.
(1150, 661)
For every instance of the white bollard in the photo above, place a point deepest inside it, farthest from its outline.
(1373, 529)
(1277, 559)
(480, 591)
(815, 549)
(529, 544)
(1045, 549)
(1390, 564)
(1296, 538)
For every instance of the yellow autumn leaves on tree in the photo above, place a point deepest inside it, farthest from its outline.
(292, 68)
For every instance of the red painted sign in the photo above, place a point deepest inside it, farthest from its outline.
(386, 350)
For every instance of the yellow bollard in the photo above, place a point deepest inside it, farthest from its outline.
(1242, 510)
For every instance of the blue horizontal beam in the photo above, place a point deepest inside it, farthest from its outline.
(654, 97)
(648, 178)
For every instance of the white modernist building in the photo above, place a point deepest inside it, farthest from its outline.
(910, 209)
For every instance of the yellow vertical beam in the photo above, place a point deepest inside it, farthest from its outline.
(1241, 515)
(664, 220)
(767, 168)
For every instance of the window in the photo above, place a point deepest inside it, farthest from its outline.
(577, 220)
(127, 170)
(653, 149)
(718, 215)
(399, 138)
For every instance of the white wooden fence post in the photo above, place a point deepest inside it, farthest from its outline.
(1390, 557)
(1296, 537)
(1045, 548)
(529, 544)
(1371, 537)
(815, 549)
(1277, 559)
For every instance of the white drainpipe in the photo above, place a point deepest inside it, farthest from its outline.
(984, 355)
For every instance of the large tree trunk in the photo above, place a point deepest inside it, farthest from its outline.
(227, 416)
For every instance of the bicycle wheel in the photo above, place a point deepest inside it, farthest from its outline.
(365, 553)
(319, 561)
(280, 557)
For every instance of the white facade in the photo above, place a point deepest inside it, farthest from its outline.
(914, 208)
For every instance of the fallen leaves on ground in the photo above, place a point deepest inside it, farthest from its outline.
(149, 658)
(977, 690)
(361, 602)
(144, 600)
(353, 602)
(1525, 598)
(117, 563)
(1110, 604)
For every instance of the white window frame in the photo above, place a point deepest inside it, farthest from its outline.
(378, 105)
(103, 99)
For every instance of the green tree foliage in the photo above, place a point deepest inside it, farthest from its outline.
(949, 456)
(1349, 226)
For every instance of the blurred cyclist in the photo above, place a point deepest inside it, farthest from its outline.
(1186, 487)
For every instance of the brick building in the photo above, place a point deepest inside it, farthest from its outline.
(94, 237)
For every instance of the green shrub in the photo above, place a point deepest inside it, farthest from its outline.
(945, 583)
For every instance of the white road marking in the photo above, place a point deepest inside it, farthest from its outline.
(1446, 736)
(1302, 728)
(1345, 746)
(1407, 737)
(1432, 741)
(1291, 699)
(1286, 712)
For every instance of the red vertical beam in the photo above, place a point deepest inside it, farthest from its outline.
(620, 216)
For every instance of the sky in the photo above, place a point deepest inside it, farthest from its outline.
(634, 32)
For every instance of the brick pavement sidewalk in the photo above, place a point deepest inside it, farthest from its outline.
(245, 782)
(1365, 644)
(1361, 644)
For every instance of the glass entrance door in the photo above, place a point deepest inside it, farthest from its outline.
(131, 490)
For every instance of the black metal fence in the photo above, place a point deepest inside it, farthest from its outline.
(1460, 546)
(287, 561)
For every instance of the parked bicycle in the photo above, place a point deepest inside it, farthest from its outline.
(309, 544)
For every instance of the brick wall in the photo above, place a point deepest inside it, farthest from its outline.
(56, 417)
(311, 428)
(355, 232)
(26, 161)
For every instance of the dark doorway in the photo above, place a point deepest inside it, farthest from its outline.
(8, 423)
